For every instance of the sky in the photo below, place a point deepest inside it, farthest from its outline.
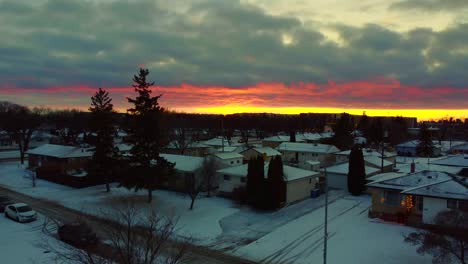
(385, 57)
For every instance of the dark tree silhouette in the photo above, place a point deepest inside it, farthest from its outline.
(356, 172)
(343, 138)
(102, 123)
(20, 123)
(147, 138)
(446, 240)
(425, 146)
(276, 183)
(256, 184)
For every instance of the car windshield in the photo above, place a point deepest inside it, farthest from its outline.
(23, 209)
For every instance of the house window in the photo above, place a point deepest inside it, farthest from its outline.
(392, 198)
(232, 162)
(238, 161)
(310, 180)
(457, 204)
(243, 179)
(452, 204)
(227, 177)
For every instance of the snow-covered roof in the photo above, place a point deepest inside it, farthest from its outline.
(290, 173)
(343, 168)
(219, 142)
(411, 180)
(385, 176)
(456, 161)
(369, 152)
(422, 166)
(282, 138)
(228, 149)
(184, 163)
(453, 188)
(463, 146)
(307, 147)
(313, 162)
(267, 151)
(377, 161)
(60, 151)
(228, 155)
(414, 143)
(123, 147)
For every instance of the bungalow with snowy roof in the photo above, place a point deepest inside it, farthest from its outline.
(297, 154)
(192, 149)
(416, 198)
(266, 152)
(228, 159)
(61, 164)
(460, 161)
(299, 183)
(337, 175)
(460, 149)
(275, 141)
(410, 149)
(185, 166)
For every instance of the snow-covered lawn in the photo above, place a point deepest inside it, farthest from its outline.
(20, 242)
(291, 235)
(201, 224)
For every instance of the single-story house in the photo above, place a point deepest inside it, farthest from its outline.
(337, 175)
(193, 149)
(59, 158)
(228, 159)
(275, 141)
(185, 166)
(266, 152)
(410, 148)
(460, 149)
(416, 198)
(460, 161)
(299, 183)
(375, 162)
(298, 153)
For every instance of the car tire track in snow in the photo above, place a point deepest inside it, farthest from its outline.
(273, 258)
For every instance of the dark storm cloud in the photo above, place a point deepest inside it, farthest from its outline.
(430, 5)
(209, 42)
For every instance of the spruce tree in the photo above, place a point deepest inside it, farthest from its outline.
(147, 137)
(425, 146)
(255, 185)
(276, 183)
(356, 172)
(102, 123)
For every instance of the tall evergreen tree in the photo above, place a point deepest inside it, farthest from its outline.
(102, 123)
(276, 183)
(147, 137)
(344, 126)
(425, 146)
(356, 172)
(256, 183)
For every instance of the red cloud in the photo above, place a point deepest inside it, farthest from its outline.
(373, 94)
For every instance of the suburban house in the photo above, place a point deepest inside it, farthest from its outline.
(266, 152)
(460, 149)
(185, 166)
(275, 141)
(228, 159)
(300, 183)
(65, 160)
(297, 154)
(337, 175)
(192, 149)
(343, 156)
(460, 161)
(410, 149)
(416, 198)
(375, 162)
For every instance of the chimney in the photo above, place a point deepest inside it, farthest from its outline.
(413, 167)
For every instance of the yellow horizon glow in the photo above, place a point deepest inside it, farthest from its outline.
(420, 114)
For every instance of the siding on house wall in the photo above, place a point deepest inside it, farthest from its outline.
(227, 186)
(229, 162)
(338, 181)
(251, 153)
(325, 159)
(432, 206)
(299, 189)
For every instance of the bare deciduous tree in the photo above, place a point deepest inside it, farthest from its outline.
(446, 240)
(138, 238)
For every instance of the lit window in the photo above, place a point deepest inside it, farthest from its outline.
(392, 198)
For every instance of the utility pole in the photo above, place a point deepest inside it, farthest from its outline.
(325, 231)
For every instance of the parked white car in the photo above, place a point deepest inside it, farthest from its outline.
(20, 212)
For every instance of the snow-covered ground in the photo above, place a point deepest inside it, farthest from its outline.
(21, 242)
(290, 235)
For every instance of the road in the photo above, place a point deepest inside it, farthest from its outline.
(53, 210)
